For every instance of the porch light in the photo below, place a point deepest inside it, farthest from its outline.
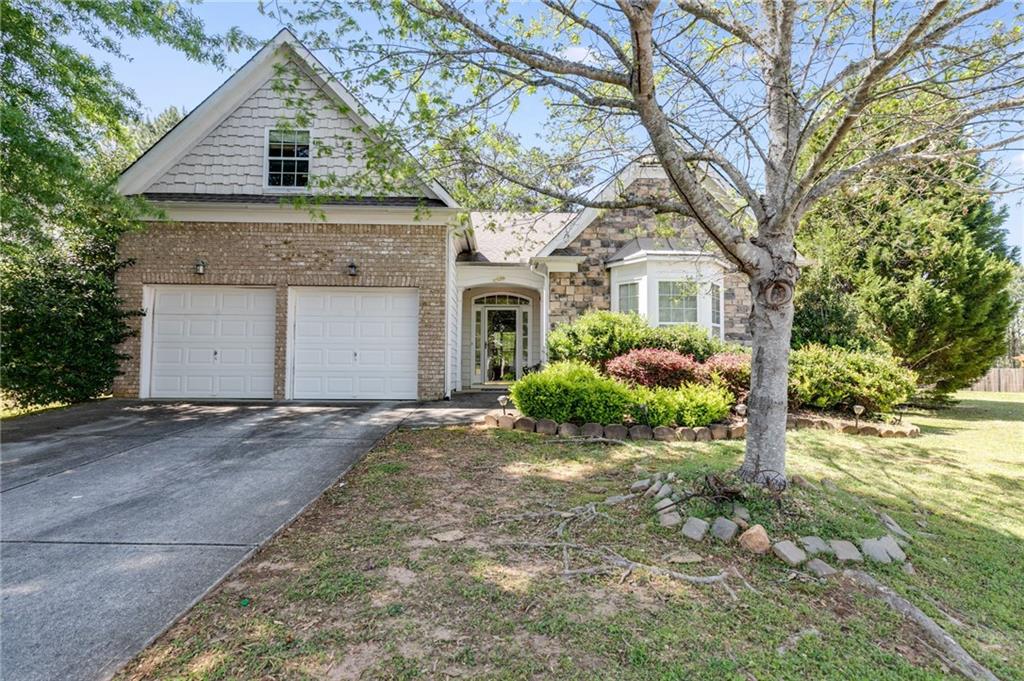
(352, 269)
(503, 401)
(200, 267)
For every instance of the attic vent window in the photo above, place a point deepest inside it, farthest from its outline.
(288, 158)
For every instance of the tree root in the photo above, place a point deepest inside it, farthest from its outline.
(578, 514)
(959, 658)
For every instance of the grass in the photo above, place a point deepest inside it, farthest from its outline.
(357, 588)
(10, 410)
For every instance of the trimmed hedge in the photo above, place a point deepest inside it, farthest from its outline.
(577, 392)
(599, 336)
(653, 367)
(572, 391)
(836, 379)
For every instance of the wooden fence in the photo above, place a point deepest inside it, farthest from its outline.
(1001, 381)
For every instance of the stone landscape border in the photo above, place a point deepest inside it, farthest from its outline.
(716, 431)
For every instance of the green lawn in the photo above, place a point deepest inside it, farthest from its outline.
(357, 588)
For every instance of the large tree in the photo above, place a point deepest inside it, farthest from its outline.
(721, 94)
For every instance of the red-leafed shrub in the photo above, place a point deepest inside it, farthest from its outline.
(732, 369)
(655, 368)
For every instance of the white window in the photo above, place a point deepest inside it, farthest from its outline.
(288, 158)
(629, 297)
(715, 293)
(677, 302)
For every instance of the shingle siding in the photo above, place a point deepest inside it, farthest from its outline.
(283, 255)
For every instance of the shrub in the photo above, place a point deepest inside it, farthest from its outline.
(655, 406)
(837, 379)
(685, 339)
(597, 337)
(700, 405)
(732, 369)
(653, 367)
(572, 391)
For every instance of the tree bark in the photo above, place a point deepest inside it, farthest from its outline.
(771, 324)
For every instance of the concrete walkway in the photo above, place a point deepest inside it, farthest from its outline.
(119, 515)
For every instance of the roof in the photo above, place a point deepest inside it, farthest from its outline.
(194, 127)
(512, 237)
(647, 244)
(409, 201)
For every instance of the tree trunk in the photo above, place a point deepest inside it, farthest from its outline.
(772, 324)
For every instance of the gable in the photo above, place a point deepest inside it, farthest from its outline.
(218, 151)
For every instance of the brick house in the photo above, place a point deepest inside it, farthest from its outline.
(382, 295)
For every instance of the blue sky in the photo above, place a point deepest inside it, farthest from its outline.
(163, 77)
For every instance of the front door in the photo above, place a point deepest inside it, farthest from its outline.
(501, 345)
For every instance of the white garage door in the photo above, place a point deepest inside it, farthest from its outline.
(212, 341)
(354, 344)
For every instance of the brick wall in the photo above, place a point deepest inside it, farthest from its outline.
(573, 293)
(283, 255)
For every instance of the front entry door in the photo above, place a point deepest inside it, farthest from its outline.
(501, 345)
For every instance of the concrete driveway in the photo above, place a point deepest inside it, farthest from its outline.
(118, 516)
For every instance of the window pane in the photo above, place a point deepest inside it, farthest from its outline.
(629, 297)
(301, 180)
(677, 302)
(287, 180)
(716, 304)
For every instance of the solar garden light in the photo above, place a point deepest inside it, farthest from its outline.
(503, 400)
(858, 409)
(740, 409)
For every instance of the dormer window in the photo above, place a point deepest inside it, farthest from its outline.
(288, 158)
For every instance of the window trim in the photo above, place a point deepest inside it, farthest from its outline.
(695, 296)
(618, 295)
(267, 187)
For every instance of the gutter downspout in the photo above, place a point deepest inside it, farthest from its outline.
(545, 297)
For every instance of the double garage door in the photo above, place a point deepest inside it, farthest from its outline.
(344, 343)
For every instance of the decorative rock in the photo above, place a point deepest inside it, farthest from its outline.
(815, 545)
(789, 553)
(663, 503)
(525, 424)
(641, 432)
(741, 523)
(850, 428)
(592, 430)
(893, 548)
(617, 499)
(719, 431)
(666, 490)
(756, 540)
(506, 422)
(491, 421)
(703, 434)
(724, 529)
(686, 434)
(914, 431)
(449, 536)
(568, 430)
(845, 551)
(869, 429)
(893, 526)
(616, 431)
(874, 550)
(640, 485)
(546, 427)
(670, 519)
(909, 569)
(805, 422)
(695, 528)
(820, 568)
(740, 512)
(790, 422)
(653, 489)
(664, 434)
(800, 481)
(737, 431)
(670, 477)
(683, 556)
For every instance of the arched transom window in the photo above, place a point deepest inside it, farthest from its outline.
(502, 299)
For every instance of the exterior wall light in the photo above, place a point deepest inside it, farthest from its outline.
(200, 267)
(352, 269)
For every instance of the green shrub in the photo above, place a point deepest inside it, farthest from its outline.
(836, 379)
(685, 339)
(572, 391)
(655, 406)
(597, 337)
(700, 405)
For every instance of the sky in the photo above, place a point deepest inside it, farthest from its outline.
(163, 77)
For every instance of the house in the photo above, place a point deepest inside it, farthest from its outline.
(378, 294)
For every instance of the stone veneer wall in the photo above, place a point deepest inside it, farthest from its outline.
(283, 255)
(573, 293)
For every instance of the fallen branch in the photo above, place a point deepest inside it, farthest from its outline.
(596, 440)
(961, 660)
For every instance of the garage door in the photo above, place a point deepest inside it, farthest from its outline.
(354, 344)
(212, 341)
